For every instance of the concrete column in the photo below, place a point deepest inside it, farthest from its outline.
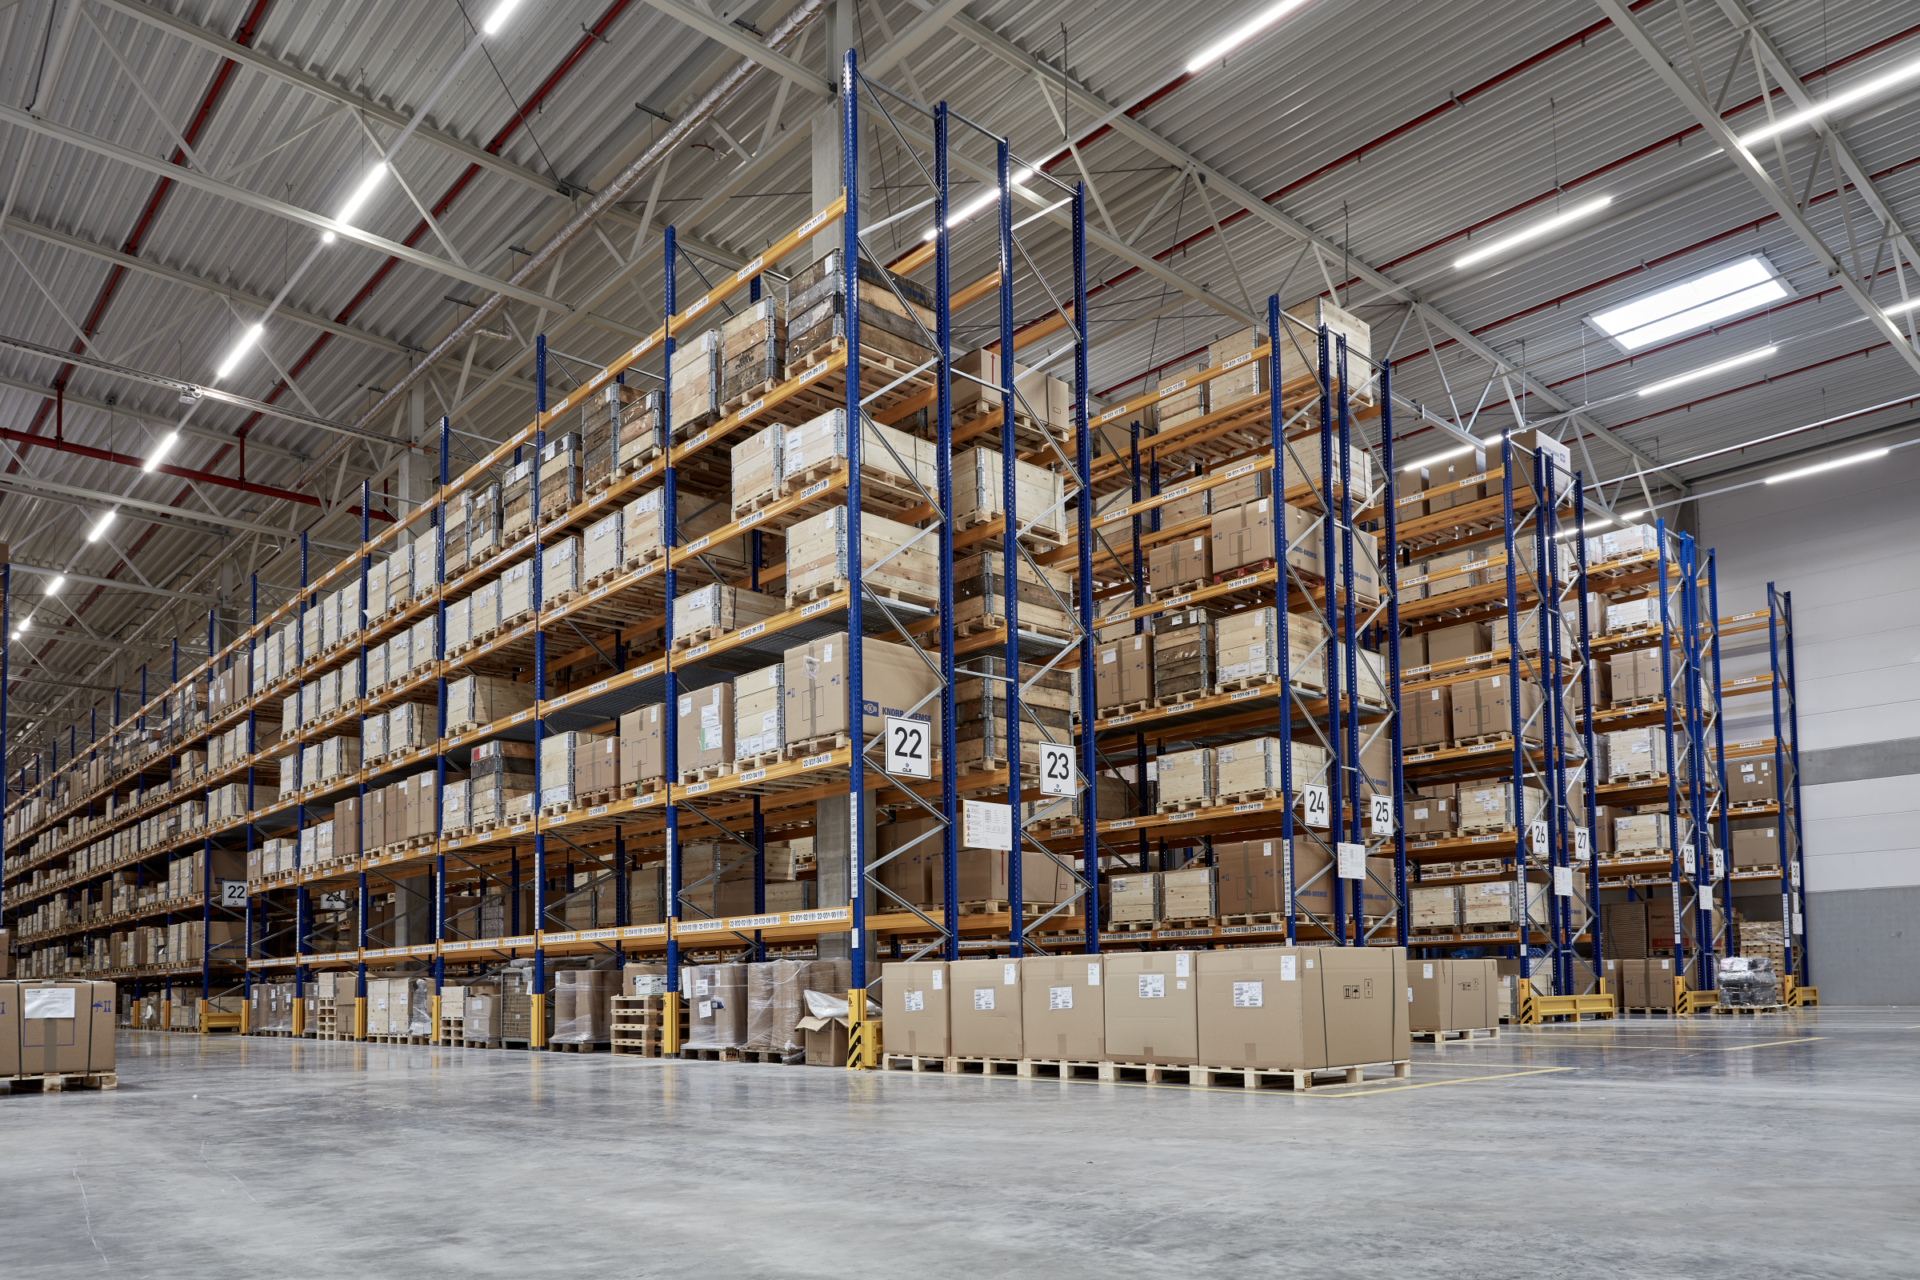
(825, 125)
(418, 473)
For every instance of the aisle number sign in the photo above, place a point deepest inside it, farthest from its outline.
(1057, 774)
(985, 825)
(233, 894)
(1538, 832)
(1319, 809)
(909, 749)
(1382, 815)
(1582, 844)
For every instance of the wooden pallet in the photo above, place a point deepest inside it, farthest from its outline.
(638, 460)
(1258, 566)
(397, 1039)
(1635, 777)
(1189, 922)
(1440, 1038)
(1749, 1008)
(774, 1056)
(699, 635)
(1182, 806)
(649, 1047)
(824, 590)
(1059, 1069)
(1298, 1080)
(577, 1046)
(994, 907)
(1175, 699)
(804, 747)
(62, 1081)
(711, 1055)
(710, 773)
(733, 404)
(1125, 709)
(1276, 918)
(1180, 589)
(912, 1062)
(1249, 797)
(1269, 682)
(643, 557)
(986, 1066)
(1129, 926)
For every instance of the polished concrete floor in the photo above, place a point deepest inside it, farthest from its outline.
(1784, 1146)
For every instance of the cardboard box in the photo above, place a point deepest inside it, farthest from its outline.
(1123, 673)
(1174, 566)
(1366, 1005)
(704, 728)
(1186, 777)
(1152, 1008)
(894, 678)
(1432, 816)
(643, 752)
(1623, 930)
(1756, 847)
(915, 1003)
(985, 1017)
(1648, 983)
(1063, 1008)
(1251, 876)
(1452, 995)
(1242, 536)
(1463, 640)
(1263, 1007)
(1750, 782)
(1133, 898)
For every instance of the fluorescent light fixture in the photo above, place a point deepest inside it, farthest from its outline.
(1729, 290)
(1818, 467)
(986, 198)
(368, 185)
(499, 16)
(247, 339)
(1840, 101)
(59, 581)
(1240, 35)
(102, 525)
(1437, 457)
(1708, 371)
(1534, 232)
(154, 459)
(1901, 308)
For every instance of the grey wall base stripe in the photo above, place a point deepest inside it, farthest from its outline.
(1860, 761)
(1865, 945)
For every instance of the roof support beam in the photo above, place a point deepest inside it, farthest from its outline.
(278, 208)
(1782, 202)
(74, 401)
(1139, 134)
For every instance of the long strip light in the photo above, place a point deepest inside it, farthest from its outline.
(362, 193)
(1534, 232)
(498, 18)
(159, 454)
(1840, 101)
(975, 205)
(1708, 371)
(247, 339)
(1240, 35)
(59, 581)
(1829, 465)
(102, 525)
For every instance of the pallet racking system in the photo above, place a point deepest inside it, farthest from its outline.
(1319, 398)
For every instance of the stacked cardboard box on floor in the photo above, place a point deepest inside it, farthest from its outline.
(583, 1002)
(1453, 995)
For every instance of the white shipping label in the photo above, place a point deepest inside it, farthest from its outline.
(710, 718)
(1093, 973)
(1153, 986)
(1353, 860)
(701, 987)
(1426, 971)
(1180, 984)
(937, 976)
(46, 1002)
(1246, 995)
(1182, 965)
(1011, 974)
(706, 1008)
(1059, 997)
(983, 999)
(1287, 969)
(1108, 656)
(769, 721)
(916, 1001)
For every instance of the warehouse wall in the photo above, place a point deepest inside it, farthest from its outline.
(1847, 544)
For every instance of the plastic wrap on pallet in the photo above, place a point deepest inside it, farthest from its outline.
(583, 1005)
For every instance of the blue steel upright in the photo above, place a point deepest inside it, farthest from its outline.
(1336, 741)
(1590, 773)
(1349, 657)
(1719, 765)
(1667, 628)
(670, 538)
(1083, 541)
(1280, 611)
(537, 1032)
(943, 455)
(1521, 916)
(856, 430)
(440, 724)
(1390, 560)
(1010, 551)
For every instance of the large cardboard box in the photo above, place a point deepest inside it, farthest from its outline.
(1750, 782)
(643, 752)
(894, 679)
(1251, 877)
(704, 728)
(1463, 640)
(1262, 1007)
(1452, 995)
(1182, 563)
(1366, 1004)
(1152, 1007)
(1123, 672)
(1429, 717)
(1242, 535)
(1133, 898)
(986, 1015)
(915, 1001)
(1648, 983)
(57, 1024)
(1063, 1008)
(1758, 847)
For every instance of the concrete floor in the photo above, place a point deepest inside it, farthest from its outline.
(1752, 1148)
